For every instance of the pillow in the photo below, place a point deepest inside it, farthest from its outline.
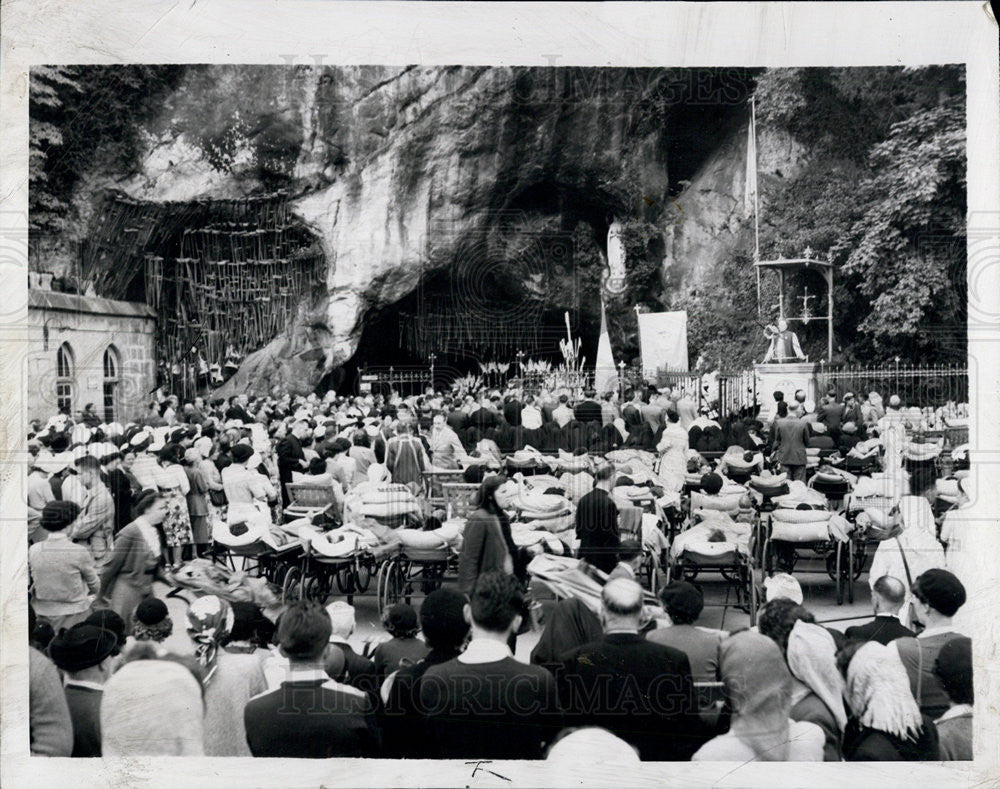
(412, 538)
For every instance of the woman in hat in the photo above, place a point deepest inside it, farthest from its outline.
(215, 495)
(151, 621)
(231, 679)
(85, 654)
(127, 578)
(887, 724)
(197, 501)
(63, 575)
(174, 487)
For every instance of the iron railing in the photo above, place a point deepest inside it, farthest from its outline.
(919, 385)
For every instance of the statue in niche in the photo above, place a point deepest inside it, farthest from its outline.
(784, 344)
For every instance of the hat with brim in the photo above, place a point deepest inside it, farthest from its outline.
(81, 647)
(81, 434)
(52, 464)
(849, 427)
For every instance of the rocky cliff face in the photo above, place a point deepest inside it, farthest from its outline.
(398, 170)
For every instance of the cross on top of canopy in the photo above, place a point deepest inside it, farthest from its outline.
(796, 265)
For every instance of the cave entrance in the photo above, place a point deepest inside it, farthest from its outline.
(485, 308)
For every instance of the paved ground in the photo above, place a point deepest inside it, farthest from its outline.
(818, 590)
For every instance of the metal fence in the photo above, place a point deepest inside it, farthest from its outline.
(919, 385)
(737, 393)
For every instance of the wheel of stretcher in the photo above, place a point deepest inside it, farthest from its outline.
(362, 576)
(318, 587)
(291, 587)
(390, 585)
(345, 580)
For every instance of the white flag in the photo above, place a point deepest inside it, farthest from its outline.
(605, 374)
(750, 192)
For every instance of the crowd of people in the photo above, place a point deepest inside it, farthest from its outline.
(113, 509)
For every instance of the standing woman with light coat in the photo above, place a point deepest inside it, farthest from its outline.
(672, 449)
(174, 486)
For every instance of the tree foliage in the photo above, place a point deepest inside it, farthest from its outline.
(82, 118)
(882, 196)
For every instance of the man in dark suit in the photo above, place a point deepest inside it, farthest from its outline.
(456, 418)
(483, 416)
(791, 435)
(888, 594)
(310, 715)
(597, 522)
(588, 409)
(831, 414)
(484, 704)
(638, 690)
(237, 410)
(512, 410)
(291, 457)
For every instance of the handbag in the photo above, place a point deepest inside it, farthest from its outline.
(218, 498)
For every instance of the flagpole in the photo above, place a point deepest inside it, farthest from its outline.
(756, 206)
(638, 334)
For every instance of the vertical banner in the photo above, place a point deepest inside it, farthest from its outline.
(663, 339)
(605, 374)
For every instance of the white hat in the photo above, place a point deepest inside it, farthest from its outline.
(142, 436)
(342, 618)
(113, 429)
(58, 422)
(319, 432)
(204, 446)
(592, 746)
(783, 585)
(159, 440)
(81, 434)
(809, 406)
(53, 464)
(371, 430)
(894, 401)
(101, 449)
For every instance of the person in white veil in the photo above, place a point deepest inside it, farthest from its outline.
(914, 550)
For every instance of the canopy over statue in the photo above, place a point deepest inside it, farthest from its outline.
(784, 342)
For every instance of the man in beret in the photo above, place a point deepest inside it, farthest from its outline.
(85, 653)
(64, 577)
(937, 596)
(953, 669)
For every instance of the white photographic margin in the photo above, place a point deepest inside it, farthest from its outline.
(39, 32)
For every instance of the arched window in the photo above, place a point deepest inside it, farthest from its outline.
(111, 384)
(64, 379)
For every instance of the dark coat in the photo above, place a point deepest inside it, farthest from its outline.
(882, 629)
(638, 690)
(597, 529)
(484, 548)
(790, 438)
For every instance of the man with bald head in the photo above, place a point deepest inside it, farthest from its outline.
(888, 595)
(638, 690)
